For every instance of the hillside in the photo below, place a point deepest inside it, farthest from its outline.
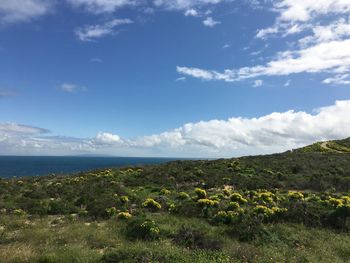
(336, 146)
(272, 208)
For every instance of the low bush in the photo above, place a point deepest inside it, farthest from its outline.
(142, 228)
(151, 204)
(195, 239)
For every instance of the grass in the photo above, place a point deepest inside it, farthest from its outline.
(83, 241)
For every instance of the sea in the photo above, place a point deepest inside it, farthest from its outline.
(21, 166)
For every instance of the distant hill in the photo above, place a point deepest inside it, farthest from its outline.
(336, 146)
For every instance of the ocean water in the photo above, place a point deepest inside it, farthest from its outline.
(21, 166)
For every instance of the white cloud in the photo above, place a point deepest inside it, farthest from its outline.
(275, 132)
(205, 74)
(337, 30)
(191, 12)
(287, 83)
(107, 138)
(18, 129)
(184, 4)
(264, 33)
(338, 80)
(181, 79)
(258, 83)
(101, 6)
(330, 57)
(91, 32)
(305, 10)
(13, 11)
(71, 88)
(210, 22)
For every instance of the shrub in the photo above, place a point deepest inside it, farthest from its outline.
(83, 213)
(164, 191)
(201, 194)
(293, 195)
(207, 203)
(335, 201)
(195, 239)
(60, 207)
(247, 228)
(233, 206)
(124, 199)
(236, 197)
(19, 212)
(263, 210)
(142, 228)
(340, 218)
(124, 215)
(184, 196)
(151, 204)
(225, 217)
(111, 211)
(267, 197)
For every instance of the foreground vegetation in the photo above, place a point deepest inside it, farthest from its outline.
(290, 207)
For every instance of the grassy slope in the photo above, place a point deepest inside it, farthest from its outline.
(337, 146)
(47, 232)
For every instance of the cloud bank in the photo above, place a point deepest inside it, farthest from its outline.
(275, 132)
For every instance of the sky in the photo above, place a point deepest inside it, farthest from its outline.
(172, 78)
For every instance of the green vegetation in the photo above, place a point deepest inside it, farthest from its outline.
(275, 208)
(340, 146)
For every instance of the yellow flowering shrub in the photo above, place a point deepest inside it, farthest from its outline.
(232, 206)
(124, 199)
(152, 204)
(184, 195)
(294, 195)
(139, 228)
(336, 202)
(207, 202)
(165, 191)
(201, 194)
(346, 199)
(267, 197)
(124, 215)
(226, 192)
(225, 216)
(261, 209)
(19, 212)
(111, 211)
(236, 197)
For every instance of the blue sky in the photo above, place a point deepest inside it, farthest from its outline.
(195, 78)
